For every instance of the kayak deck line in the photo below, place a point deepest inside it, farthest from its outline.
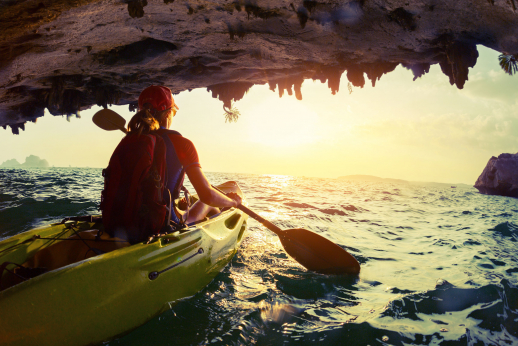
(154, 275)
(116, 290)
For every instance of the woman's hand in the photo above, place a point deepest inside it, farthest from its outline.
(207, 194)
(237, 199)
(182, 204)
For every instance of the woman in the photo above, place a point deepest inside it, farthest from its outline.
(156, 111)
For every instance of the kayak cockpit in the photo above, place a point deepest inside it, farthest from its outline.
(70, 241)
(54, 252)
(75, 248)
(76, 239)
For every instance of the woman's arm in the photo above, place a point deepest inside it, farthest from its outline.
(207, 193)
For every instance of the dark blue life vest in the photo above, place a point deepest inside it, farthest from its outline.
(175, 169)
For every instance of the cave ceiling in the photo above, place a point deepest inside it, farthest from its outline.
(67, 56)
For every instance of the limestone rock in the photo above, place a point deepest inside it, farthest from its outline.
(35, 161)
(31, 161)
(67, 55)
(500, 177)
(10, 163)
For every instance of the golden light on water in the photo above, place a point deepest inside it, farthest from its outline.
(279, 213)
(275, 214)
(276, 312)
(278, 181)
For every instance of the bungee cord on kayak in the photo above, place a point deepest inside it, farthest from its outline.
(25, 273)
(37, 237)
(81, 218)
(154, 275)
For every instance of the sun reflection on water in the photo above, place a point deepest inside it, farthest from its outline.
(276, 180)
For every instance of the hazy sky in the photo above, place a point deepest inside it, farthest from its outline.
(425, 130)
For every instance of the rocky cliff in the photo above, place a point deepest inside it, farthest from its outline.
(500, 177)
(69, 55)
(31, 161)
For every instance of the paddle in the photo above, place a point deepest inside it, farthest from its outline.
(108, 120)
(313, 251)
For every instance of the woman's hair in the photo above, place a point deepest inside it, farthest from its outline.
(145, 121)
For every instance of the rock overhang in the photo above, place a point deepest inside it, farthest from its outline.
(69, 55)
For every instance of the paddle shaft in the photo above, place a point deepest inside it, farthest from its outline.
(256, 217)
(262, 220)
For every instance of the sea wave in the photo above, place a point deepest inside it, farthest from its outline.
(439, 265)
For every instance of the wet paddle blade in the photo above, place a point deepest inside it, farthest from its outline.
(317, 253)
(108, 120)
(313, 251)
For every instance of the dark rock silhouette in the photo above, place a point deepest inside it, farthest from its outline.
(458, 57)
(11, 163)
(418, 69)
(286, 84)
(355, 75)
(30, 161)
(331, 74)
(34, 161)
(136, 8)
(500, 176)
(375, 70)
(228, 92)
(136, 52)
(403, 18)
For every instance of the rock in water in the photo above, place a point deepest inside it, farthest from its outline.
(500, 177)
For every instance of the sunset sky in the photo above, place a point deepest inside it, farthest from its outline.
(425, 130)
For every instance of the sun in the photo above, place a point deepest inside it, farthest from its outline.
(282, 123)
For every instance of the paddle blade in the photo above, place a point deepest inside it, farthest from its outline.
(317, 253)
(108, 120)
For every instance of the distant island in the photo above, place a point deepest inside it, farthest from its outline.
(31, 161)
(360, 177)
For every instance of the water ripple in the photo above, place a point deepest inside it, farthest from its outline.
(439, 265)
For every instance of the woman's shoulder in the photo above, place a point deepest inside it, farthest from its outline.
(163, 130)
(178, 139)
(174, 132)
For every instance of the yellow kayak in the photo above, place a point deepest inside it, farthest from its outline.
(71, 284)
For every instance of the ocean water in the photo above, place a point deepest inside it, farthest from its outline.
(439, 263)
